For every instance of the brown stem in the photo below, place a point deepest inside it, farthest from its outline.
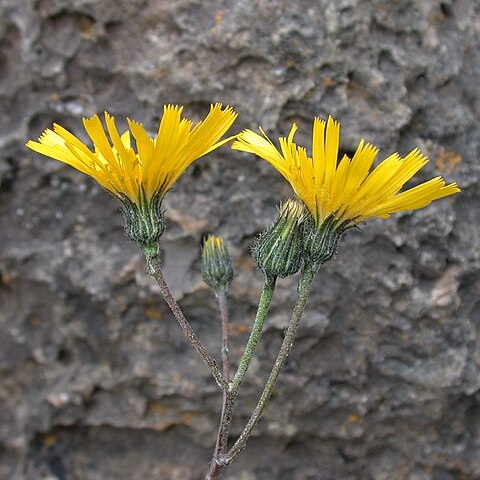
(228, 398)
(216, 467)
(223, 305)
(156, 271)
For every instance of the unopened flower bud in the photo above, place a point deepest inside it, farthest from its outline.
(320, 242)
(217, 270)
(278, 250)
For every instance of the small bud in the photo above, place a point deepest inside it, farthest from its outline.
(217, 270)
(278, 249)
(320, 242)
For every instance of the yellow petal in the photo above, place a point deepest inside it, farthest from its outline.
(348, 190)
(158, 162)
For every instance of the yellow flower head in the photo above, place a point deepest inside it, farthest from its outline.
(141, 175)
(345, 192)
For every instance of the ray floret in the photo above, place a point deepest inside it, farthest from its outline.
(148, 171)
(345, 191)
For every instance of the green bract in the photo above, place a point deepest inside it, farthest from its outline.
(217, 270)
(278, 251)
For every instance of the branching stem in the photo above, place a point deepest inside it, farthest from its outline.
(229, 396)
(304, 287)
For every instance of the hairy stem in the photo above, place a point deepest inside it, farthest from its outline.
(255, 334)
(223, 306)
(154, 268)
(229, 397)
(304, 287)
(216, 467)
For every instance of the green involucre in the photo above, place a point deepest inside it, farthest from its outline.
(278, 250)
(144, 222)
(217, 269)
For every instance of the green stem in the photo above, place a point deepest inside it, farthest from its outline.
(154, 268)
(230, 396)
(304, 287)
(255, 334)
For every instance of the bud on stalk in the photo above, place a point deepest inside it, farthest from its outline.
(217, 270)
(278, 251)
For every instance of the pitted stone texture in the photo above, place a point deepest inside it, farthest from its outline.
(97, 381)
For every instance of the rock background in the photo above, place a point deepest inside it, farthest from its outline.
(96, 380)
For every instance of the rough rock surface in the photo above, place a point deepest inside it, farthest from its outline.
(96, 380)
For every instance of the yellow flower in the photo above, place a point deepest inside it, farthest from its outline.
(345, 192)
(139, 178)
(143, 175)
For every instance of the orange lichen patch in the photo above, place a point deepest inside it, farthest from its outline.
(167, 416)
(176, 377)
(35, 320)
(49, 440)
(157, 407)
(429, 469)
(85, 25)
(175, 473)
(153, 313)
(236, 330)
(328, 82)
(290, 63)
(447, 161)
(187, 418)
(122, 308)
(239, 329)
(219, 17)
(353, 418)
(5, 279)
(160, 73)
(309, 93)
(356, 89)
(121, 303)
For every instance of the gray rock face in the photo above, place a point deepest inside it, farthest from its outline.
(96, 379)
